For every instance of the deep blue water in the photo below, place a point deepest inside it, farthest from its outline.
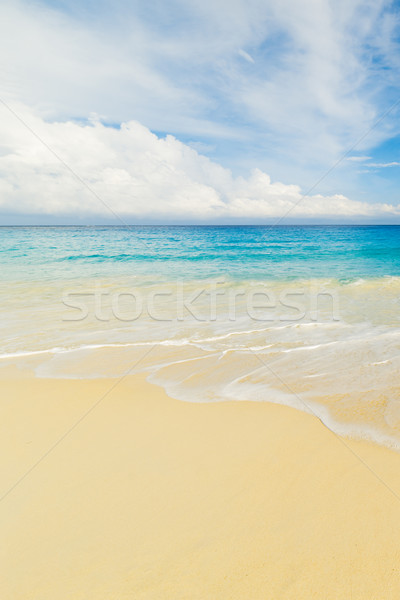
(238, 252)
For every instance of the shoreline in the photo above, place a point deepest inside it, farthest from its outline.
(150, 497)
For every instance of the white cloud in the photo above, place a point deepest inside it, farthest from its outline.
(384, 165)
(312, 91)
(139, 174)
(118, 65)
(246, 56)
(285, 86)
(321, 90)
(359, 158)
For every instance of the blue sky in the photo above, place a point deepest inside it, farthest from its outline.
(284, 88)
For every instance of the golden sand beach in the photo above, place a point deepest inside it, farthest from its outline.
(124, 493)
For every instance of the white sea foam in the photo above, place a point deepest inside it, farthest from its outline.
(328, 368)
(315, 347)
(13, 355)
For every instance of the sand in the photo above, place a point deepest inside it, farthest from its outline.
(152, 498)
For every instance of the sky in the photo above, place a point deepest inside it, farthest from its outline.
(203, 111)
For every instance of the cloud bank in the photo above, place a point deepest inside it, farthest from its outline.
(283, 87)
(90, 169)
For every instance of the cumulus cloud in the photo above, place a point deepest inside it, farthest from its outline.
(89, 169)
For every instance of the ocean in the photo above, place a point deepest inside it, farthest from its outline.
(307, 316)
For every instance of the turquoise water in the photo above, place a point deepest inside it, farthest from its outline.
(340, 252)
(303, 316)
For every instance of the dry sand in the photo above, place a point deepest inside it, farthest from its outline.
(151, 498)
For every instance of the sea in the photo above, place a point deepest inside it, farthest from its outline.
(305, 316)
